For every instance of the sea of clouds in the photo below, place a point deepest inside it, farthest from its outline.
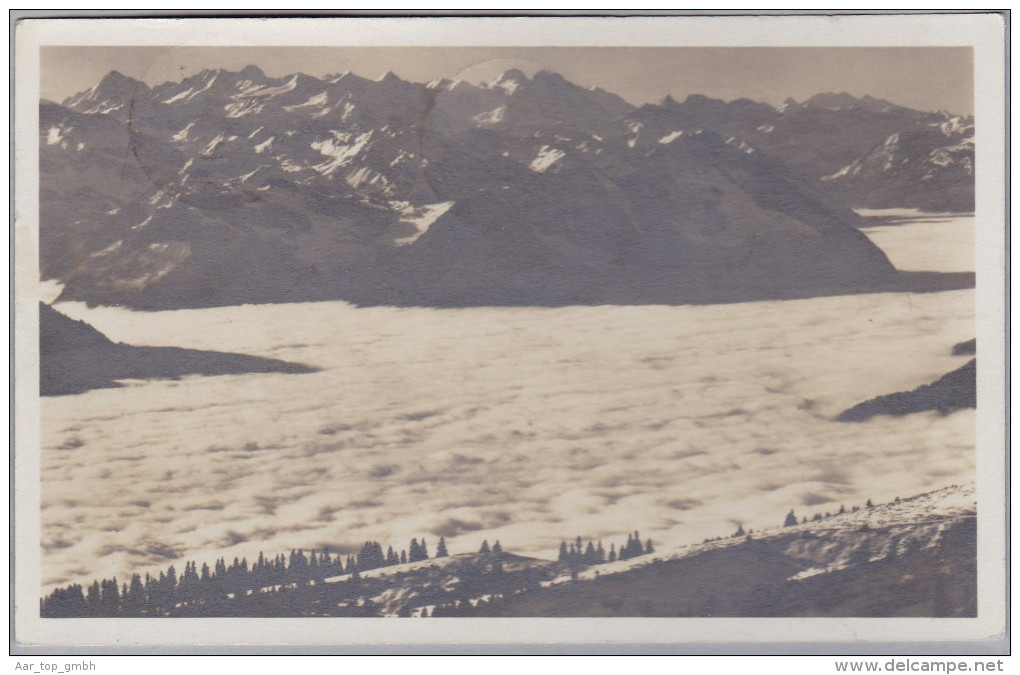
(527, 425)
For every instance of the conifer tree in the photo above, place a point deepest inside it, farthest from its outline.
(441, 551)
(151, 595)
(485, 547)
(161, 594)
(77, 601)
(612, 552)
(110, 600)
(648, 547)
(791, 519)
(563, 551)
(497, 548)
(134, 599)
(171, 584)
(92, 599)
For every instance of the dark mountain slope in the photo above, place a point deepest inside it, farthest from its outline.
(953, 391)
(75, 357)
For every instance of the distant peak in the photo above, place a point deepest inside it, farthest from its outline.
(790, 102)
(203, 76)
(831, 100)
(116, 75)
(115, 84)
(549, 77)
(668, 101)
(301, 78)
(511, 75)
(115, 78)
(701, 99)
(509, 81)
(389, 76)
(347, 77)
(252, 72)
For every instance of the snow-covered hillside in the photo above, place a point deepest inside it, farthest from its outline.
(929, 167)
(921, 549)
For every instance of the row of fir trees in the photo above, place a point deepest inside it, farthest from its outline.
(158, 596)
(576, 553)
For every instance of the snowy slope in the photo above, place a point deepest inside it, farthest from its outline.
(913, 556)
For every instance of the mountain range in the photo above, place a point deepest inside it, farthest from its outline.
(233, 187)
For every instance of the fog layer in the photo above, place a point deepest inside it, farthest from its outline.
(527, 425)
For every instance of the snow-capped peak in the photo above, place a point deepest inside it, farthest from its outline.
(509, 81)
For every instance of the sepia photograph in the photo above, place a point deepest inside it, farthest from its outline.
(433, 318)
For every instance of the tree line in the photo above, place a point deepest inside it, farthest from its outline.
(791, 517)
(157, 596)
(198, 587)
(593, 554)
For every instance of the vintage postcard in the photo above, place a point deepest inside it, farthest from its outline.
(606, 331)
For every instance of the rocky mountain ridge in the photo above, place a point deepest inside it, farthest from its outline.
(233, 187)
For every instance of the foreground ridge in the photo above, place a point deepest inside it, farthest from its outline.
(910, 557)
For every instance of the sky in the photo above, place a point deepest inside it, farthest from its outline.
(923, 78)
